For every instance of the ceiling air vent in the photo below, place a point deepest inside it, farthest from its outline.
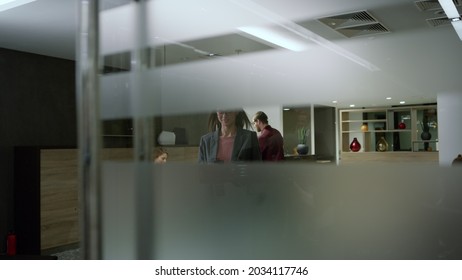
(440, 21)
(432, 5)
(355, 24)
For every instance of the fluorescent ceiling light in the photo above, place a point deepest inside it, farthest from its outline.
(300, 32)
(275, 37)
(451, 12)
(10, 4)
(449, 8)
(458, 27)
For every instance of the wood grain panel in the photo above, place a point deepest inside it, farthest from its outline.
(175, 154)
(59, 199)
(182, 154)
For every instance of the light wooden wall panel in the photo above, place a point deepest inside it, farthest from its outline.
(59, 194)
(182, 154)
(59, 198)
(175, 154)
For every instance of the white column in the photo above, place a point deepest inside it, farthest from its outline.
(449, 126)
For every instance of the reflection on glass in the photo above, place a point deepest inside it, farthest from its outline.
(184, 65)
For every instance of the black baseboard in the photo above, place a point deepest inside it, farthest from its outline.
(27, 257)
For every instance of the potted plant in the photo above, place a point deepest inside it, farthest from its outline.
(302, 148)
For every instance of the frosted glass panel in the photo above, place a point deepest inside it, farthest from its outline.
(118, 211)
(189, 61)
(287, 212)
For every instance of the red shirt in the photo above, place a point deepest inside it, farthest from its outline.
(271, 144)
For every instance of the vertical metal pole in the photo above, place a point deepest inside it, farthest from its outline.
(337, 137)
(143, 137)
(89, 142)
(313, 128)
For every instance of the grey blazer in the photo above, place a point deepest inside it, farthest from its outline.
(245, 148)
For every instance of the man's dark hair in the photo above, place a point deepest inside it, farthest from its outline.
(457, 161)
(261, 116)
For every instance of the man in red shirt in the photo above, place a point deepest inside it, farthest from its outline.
(270, 139)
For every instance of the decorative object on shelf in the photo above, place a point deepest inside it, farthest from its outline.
(355, 146)
(425, 135)
(364, 127)
(302, 148)
(166, 138)
(401, 127)
(433, 124)
(382, 145)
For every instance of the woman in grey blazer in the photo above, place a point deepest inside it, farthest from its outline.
(229, 139)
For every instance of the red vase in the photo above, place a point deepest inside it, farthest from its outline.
(355, 146)
(401, 125)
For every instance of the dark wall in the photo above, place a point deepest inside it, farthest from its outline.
(37, 108)
(324, 123)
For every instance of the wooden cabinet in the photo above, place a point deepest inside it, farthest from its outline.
(394, 129)
(46, 198)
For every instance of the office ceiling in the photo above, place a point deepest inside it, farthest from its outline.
(359, 51)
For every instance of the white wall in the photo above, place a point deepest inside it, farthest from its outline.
(449, 126)
(274, 114)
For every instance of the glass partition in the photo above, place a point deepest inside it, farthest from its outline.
(163, 71)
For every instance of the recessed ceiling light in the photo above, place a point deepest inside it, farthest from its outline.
(335, 101)
(286, 109)
(402, 102)
(10, 4)
(388, 98)
(352, 105)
